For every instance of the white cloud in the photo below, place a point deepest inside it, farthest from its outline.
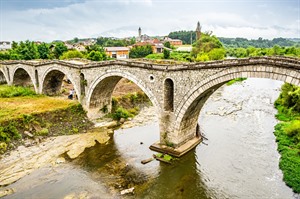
(121, 18)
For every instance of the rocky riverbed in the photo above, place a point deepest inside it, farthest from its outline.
(51, 154)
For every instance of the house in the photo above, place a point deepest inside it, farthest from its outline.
(173, 42)
(156, 47)
(117, 52)
(5, 45)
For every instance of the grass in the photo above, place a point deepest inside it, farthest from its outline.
(240, 79)
(287, 134)
(15, 107)
(15, 91)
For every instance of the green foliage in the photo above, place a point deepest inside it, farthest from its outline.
(96, 56)
(44, 51)
(240, 79)
(168, 157)
(59, 49)
(166, 54)
(167, 44)
(42, 132)
(155, 56)
(208, 48)
(121, 113)
(109, 42)
(140, 51)
(288, 135)
(9, 132)
(258, 43)
(3, 147)
(71, 54)
(15, 91)
(183, 35)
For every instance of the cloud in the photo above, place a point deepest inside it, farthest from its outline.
(121, 18)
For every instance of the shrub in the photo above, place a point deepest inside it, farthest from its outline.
(15, 91)
(121, 113)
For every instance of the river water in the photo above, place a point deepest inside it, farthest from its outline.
(239, 159)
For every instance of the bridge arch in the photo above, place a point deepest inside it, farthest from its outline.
(22, 77)
(52, 80)
(187, 113)
(101, 89)
(3, 77)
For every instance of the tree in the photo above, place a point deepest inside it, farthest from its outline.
(97, 56)
(76, 40)
(71, 54)
(167, 44)
(140, 51)
(44, 51)
(59, 49)
(166, 54)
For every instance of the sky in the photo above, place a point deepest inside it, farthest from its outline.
(48, 20)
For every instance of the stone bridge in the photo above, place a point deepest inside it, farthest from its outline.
(177, 90)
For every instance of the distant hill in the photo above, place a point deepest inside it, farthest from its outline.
(258, 43)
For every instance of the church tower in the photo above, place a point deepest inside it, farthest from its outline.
(198, 31)
(140, 33)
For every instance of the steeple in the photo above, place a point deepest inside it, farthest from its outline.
(198, 31)
(140, 32)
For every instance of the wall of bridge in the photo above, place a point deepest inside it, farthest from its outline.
(191, 84)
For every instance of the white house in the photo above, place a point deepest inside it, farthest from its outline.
(5, 45)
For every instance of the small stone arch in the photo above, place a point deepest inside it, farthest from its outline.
(101, 89)
(52, 81)
(21, 77)
(188, 111)
(3, 77)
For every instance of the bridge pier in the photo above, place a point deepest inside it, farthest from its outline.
(171, 139)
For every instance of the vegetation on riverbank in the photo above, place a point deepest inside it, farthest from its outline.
(33, 116)
(127, 106)
(240, 79)
(287, 134)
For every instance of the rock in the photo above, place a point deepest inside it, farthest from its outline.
(141, 143)
(5, 192)
(147, 160)
(28, 134)
(60, 160)
(126, 191)
(122, 120)
(27, 143)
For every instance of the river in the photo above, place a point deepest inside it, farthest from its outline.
(239, 159)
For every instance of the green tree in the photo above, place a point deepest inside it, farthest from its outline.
(167, 44)
(71, 54)
(140, 51)
(59, 49)
(96, 56)
(44, 51)
(166, 54)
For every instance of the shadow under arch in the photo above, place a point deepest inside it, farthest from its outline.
(3, 78)
(21, 77)
(100, 92)
(188, 112)
(52, 81)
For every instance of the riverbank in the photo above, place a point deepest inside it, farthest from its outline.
(287, 134)
(27, 120)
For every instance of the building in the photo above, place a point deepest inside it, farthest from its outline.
(5, 45)
(117, 52)
(156, 47)
(198, 31)
(173, 42)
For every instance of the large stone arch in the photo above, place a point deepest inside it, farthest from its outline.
(3, 77)
(188, 111)
(23, 77)
(52, 79)
(101, 89)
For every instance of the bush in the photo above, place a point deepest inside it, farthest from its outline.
(3, 147)
(15, 91)
(121, 113)
(293, 130)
